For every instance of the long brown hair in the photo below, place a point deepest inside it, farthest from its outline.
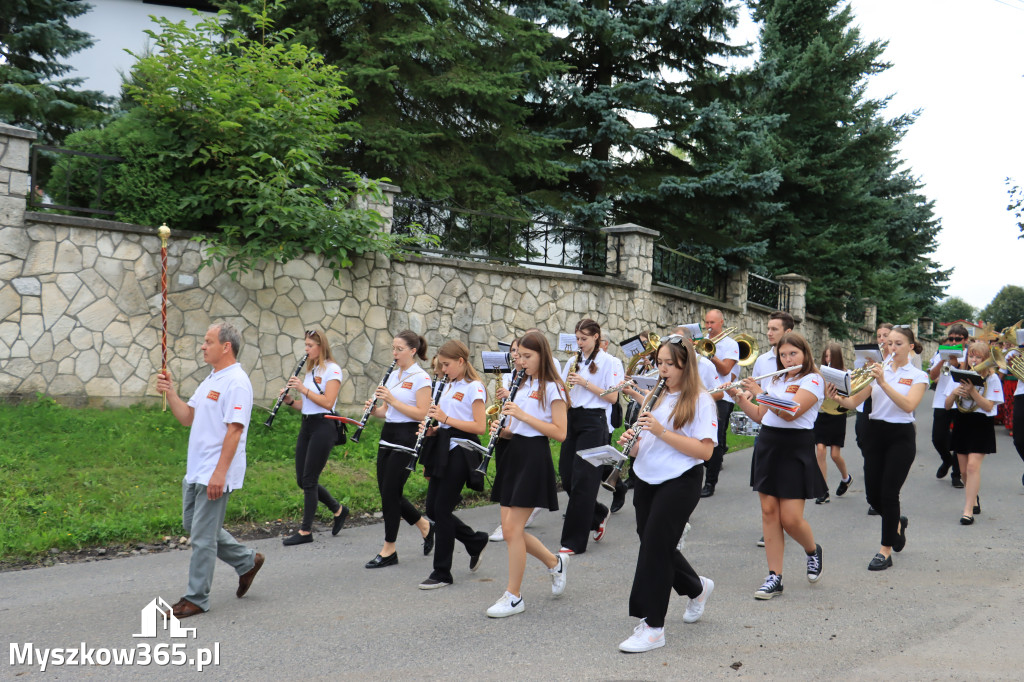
(834, 352)
(536, 342)
(799, 342)
(456, 350)
(591, 328)
(320, 339)
(684, 357)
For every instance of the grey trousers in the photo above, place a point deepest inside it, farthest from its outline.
(203, 520)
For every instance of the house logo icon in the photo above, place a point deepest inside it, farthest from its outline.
(156, 611)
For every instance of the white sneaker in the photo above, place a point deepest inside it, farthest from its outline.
(682, 540)
(497, 535)
(558, 574)
(644, 638)
(533, 515)
(695, 609)
(508, 605)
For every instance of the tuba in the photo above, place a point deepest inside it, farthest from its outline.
(650, 351)
(996, 361)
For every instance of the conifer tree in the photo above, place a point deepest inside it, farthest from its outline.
(35, 92)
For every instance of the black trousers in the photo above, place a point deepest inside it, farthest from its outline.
(941, 419)
(714, 465)
(316, 438)
(890, 452)
(444, 493)
(1018, 424)
(586, 428)
(859, 430)
(392, 475)
(662, 511)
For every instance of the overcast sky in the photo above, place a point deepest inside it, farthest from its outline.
(961, 64)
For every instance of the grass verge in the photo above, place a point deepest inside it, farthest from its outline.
(76, 478)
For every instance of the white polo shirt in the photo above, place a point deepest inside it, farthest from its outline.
(902, 379)
(766, 363)
(993, 392)
(607, 374)
(621, 373)
(224, 397)
(458, 398)
(728, 349)
(403, 385)
(708, 374)
(528, 399)
(783, 387)
(319, 378)
(656, 460)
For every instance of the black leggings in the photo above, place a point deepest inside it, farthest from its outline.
(444, 493)
(662, 511)
(316, 438)
(941, 419)
(1018, 424)
(890, 452)
(392, 475)
(587, 428)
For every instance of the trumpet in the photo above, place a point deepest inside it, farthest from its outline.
(613, 477)
(427, 422)
(373, 403)
(739, 384)
(860, 379)
(707, 347)
(280, 398)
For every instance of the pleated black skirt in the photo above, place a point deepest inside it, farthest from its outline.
(526, 477)
(784, 464)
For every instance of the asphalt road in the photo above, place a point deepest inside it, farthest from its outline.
(950, 608)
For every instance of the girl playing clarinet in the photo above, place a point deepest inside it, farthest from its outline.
(526, 478)
(461, 413)
(678, 435)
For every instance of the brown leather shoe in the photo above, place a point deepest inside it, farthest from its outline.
(184, 608)
(245, 580)
(175, 605)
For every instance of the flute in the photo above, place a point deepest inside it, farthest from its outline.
(373, 403)
(613, 477)
(280, 398)
(739, 384)
(517, 379)
(427, 422)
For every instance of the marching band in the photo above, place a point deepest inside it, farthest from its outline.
(681, 393)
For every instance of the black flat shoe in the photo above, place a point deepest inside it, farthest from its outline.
(873, 512)
(339, 520)
(880, 562)
(957, 481)
(943, 470)
(297, 539)
(382, 561)
(618, 501)
(901, 540)
(977, 505)
(428, 541)
(966, 520)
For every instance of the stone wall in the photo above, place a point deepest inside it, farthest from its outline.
(80, 305)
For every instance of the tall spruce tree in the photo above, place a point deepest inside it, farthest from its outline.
(651, 120)
(35, 93)
(441, 88)
(850, 218)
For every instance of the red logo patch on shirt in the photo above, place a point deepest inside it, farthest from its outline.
(238, 407)
(535, 395)
(407, 384)
(213, 395)
(906, 382)
(316, 380)
(814, 381)
(793, 388)
(459, 396)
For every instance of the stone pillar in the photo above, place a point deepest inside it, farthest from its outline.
(14, 146)
(797, 295)
(736, 284)
(927, 326)
(386, 206)
(870, 315)
(631, 253)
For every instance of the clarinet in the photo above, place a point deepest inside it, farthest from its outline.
(366, 415)
(517, 379)
(613, 477)
(280, 398)
(427, 422)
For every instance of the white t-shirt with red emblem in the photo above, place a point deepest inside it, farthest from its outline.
(783, 387)
(528, 399)
(656, 460)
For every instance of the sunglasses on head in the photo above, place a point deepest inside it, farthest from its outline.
(677, 339)
(311, 333)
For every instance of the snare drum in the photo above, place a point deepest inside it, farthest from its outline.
(742, 425)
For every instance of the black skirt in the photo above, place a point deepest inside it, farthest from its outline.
(973, 432)
(526, 477)
(784, 464)
(830, 429)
